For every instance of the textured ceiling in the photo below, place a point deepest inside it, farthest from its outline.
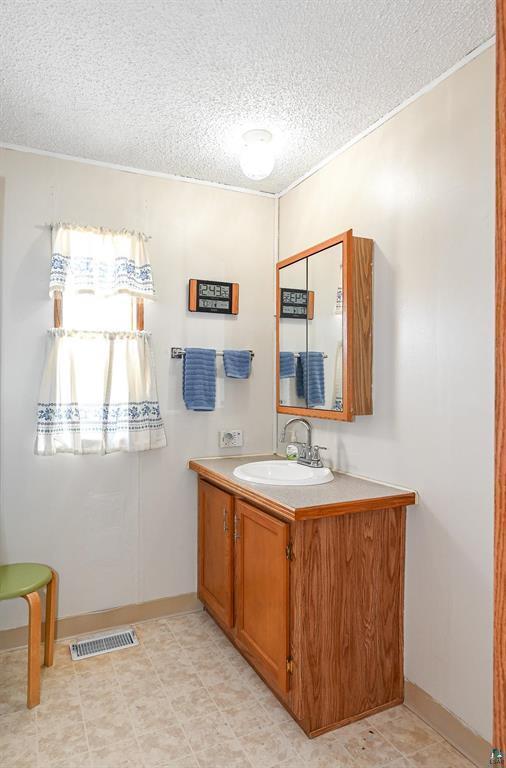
(170, 85)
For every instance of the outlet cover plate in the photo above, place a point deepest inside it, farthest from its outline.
(231, 438)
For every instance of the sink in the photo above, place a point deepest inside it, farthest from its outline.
(282, 473)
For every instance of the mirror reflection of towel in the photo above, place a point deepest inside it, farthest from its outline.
(299, 377)
(310, 378)
(286, 365)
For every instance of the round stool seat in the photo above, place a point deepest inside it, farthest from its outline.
(19, 579)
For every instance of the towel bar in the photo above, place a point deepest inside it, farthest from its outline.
(177, 353)
(325, 356)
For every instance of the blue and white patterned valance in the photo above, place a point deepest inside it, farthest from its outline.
(99, 261)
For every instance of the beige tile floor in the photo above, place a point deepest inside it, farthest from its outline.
(185, 698)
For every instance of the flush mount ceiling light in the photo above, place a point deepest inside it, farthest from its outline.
(257, 154)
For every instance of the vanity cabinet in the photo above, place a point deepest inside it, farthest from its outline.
(311, 596)
(261, 568)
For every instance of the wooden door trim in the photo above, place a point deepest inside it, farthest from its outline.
(500, 385)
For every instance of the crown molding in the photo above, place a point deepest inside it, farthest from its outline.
(139, 171)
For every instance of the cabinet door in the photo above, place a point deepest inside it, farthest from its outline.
(262, 591)
(216, 550)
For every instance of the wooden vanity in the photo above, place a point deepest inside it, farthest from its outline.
(307, 582)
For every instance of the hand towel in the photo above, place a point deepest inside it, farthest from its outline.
(286, 365)
(312, 378)
(199, 379)
(237, 363)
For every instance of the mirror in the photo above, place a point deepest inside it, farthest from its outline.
(324, 334)
(292, 332)
(323, 371)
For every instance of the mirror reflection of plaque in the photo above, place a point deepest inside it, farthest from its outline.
(296, 303)
(213, 296)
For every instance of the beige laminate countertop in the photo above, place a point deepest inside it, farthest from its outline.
(344, 494)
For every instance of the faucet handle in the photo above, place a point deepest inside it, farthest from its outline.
(315, 453)
(303, 450)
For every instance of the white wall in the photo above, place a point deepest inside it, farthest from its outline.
(122, 528)
(422, 187)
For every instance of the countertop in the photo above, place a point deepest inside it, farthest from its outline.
(344, 494)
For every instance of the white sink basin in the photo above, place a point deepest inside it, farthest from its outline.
(282, 473)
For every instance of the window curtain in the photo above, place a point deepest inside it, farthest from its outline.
(98, 394)
(99, 261)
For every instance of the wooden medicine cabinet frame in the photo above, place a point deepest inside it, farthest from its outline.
(357, 327)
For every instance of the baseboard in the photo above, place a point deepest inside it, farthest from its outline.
(472, 745)
(70, 626)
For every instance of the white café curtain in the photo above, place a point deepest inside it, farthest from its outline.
(98, 394)
(99, 261)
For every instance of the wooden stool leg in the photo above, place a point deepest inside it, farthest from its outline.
(50, 621)
(33, 601)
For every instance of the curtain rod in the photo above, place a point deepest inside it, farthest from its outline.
(103, 230)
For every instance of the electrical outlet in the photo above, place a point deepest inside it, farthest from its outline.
(231, 438)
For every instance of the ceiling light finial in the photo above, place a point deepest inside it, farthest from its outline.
(257, 154)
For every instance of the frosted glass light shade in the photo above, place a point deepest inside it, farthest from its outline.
(257, 155)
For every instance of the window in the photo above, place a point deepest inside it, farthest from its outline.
(87, 312)
(98, 392)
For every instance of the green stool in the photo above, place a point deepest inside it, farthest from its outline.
(23, 580)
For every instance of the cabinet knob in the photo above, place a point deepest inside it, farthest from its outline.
(225, 521)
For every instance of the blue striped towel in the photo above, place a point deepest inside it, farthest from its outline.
(237, 363)
(199, 379)
(286, 365)
(310, 378)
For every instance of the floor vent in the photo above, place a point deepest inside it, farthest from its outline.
(105, 642)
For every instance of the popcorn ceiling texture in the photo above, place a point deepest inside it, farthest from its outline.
(170, 85)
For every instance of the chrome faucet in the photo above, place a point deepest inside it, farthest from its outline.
(308, 454)
(305, 422)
